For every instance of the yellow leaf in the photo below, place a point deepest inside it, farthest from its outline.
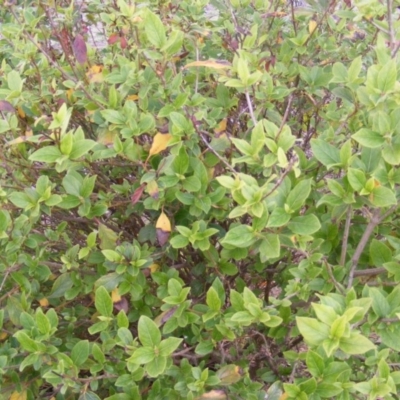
(106, 138)
(3, 336)
(115, 296)
(284, 396)
(213, 395)
(152, 189)
(312, 25)
(21, 112)
(160, 143)
(18, 140)
(229, 374)
(18, 395)
(132, 97)
(221, 126)
(216, 64)
(44, 302)
(70, 93)
(95, 74)
(154, 268)
(163, 223)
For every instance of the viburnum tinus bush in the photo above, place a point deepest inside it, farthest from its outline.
(199, 200)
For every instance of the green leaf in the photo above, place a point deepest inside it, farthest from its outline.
(328, 390)
(49, 154)
(380, 305)
(354, 69)
(390, 336)
(80, 352)
(391, 153)
(314, 332)
(191, 184)
(149, 334)
(315, 364)
(387, 76)
(20, 199)
(143, 355)
(240, 236)
(88, 395)
(379, 253)
(325, 153)
(356, 344)
(278, 217)
(356, 179)
(72, 183)
(304, 225)
(156, 367)
(169, 345)
(298, 195)
(382, 197)
(80, 148)
(154, 29)
(26, 342)
(103, 302)
(108, 238)
(368, 138)
(179, 242)
(212, 299)
(270, 247)
(42, 321)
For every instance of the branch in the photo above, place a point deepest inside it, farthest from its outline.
(376, 219)
(216, 153)
(346, 236)
(361, 245)
(282, 177)
(253, 118)
(390, 22)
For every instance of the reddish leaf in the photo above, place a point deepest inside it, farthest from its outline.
(80, 49)
(137, 194)
(123, 42)
(162, 236)
(6, 106)
(113, 38)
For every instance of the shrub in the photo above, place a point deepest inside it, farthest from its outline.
(199, 202)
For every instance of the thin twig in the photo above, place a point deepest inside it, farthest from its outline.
(285, 116)
(376, 219)
(334, 281)
(249, 103)
(370, 272)
(361, 245)
(270, 361)
(390, 22)
(216, 153)
(282, 177)
(346, 236)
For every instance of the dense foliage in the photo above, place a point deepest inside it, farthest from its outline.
(199, 201)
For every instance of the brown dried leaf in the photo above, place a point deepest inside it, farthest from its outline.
(80, 49)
